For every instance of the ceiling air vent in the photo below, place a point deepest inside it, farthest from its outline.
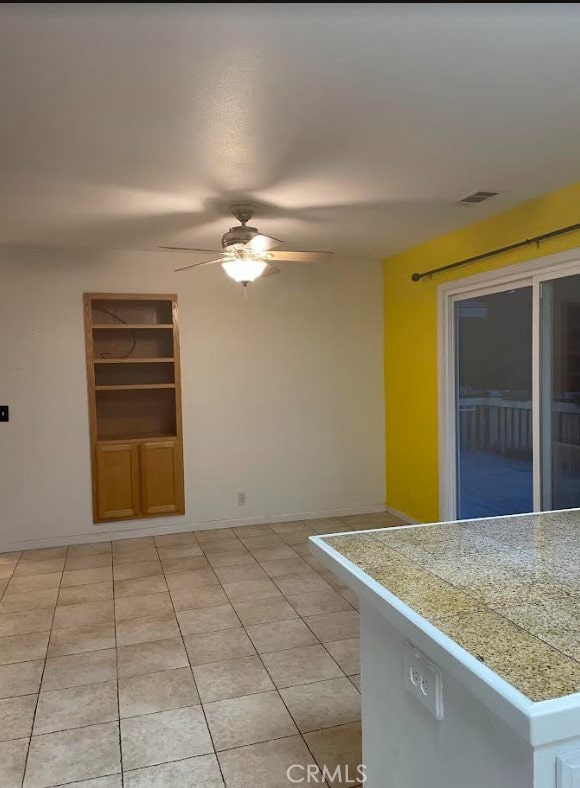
(475, 197)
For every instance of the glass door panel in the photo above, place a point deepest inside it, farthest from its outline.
(560, 392)
(493, 403)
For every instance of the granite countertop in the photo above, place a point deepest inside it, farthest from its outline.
(506, 589)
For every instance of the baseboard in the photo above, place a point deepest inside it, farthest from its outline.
(101, 535)
(401, 515)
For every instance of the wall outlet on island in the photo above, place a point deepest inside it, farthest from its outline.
(241, 499)
(423, 680)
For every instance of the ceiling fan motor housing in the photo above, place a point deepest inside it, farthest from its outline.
(238, 235)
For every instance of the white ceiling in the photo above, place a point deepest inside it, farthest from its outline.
(356, 127)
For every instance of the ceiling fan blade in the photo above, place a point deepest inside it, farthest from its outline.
(198, 265)
(262, 243)
(289, 256)
(270, 270)
(188, 249)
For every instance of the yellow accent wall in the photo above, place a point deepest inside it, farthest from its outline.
(411, 407)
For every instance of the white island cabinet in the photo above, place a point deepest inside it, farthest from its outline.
(470, 650)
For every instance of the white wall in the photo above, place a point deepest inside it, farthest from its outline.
(282, 392)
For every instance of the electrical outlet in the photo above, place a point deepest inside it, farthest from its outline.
(241, 499)
(423, 680)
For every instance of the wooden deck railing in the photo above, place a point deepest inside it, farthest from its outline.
(505, 426)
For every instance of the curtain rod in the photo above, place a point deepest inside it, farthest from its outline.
(501, 250)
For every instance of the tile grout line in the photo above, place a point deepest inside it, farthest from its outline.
(43, 670)
(122, 772)
(75, 782)
(191, 668)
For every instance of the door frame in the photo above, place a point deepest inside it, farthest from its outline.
(531, 273)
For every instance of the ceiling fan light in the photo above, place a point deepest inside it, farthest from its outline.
(244, 269)
(259, 243)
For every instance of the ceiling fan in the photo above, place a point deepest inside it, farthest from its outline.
(248, 254)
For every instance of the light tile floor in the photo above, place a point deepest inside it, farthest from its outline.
(189, 660)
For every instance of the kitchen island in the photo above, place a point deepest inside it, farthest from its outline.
(470, 650)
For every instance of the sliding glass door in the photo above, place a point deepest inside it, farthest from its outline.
(560, 392)
(512, 411)
(493, 341)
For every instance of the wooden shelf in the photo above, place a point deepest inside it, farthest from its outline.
(168, 360)
(130, 326)
(136, 387)
(153, 436)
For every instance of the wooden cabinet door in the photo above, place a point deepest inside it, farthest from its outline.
(118, 481)
(161, 478)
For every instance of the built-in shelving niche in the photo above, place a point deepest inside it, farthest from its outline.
(134, 396)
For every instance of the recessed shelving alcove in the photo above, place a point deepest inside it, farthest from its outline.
(132, 349)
